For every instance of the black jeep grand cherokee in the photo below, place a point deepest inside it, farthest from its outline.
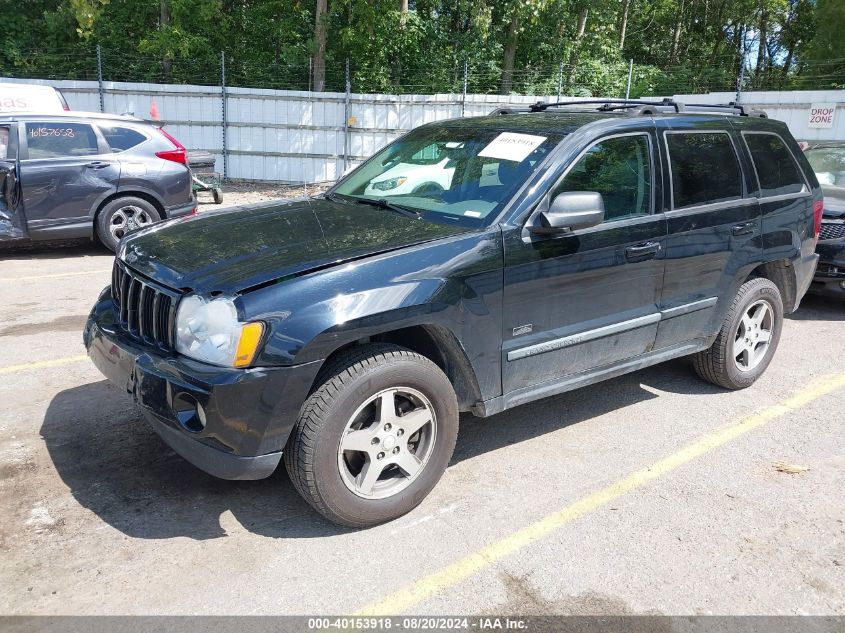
(472, 265)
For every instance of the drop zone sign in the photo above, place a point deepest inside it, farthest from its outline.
(821, 115)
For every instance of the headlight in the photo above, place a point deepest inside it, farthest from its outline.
(384, 185)
(209, 330)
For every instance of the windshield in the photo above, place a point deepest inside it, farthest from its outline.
(459, 175)
(829, 165)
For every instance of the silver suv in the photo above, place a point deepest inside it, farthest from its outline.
(73, 175)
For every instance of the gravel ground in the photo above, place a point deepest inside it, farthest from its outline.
(240, 193)
(100, 517)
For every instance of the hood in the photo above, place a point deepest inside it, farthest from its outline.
(232, 250)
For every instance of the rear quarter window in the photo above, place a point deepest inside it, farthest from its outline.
(60, 139)
(705, 168)
(121, 139)
(777, 171)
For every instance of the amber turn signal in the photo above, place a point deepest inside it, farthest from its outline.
(248, 344)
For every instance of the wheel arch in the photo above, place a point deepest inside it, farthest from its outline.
(780, 272)
(131, 194)
(435, 342)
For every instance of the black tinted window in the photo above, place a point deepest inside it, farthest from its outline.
(620, 170)
(52, 140)
(121, 138)
(704, 168)
(776, 169)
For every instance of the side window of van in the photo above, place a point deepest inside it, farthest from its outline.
(60, 139)
(776, 169)
(705, 168)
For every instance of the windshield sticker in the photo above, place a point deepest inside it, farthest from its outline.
(472, 214)
(512, 146)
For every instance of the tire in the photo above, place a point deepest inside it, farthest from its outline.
(719, 364)
(135, 212)
(325, 475)
(217, 195)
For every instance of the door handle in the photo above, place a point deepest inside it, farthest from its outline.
(97, 164)
(745, 228)
(641, 252)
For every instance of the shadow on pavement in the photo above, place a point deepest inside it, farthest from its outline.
(117, 467)
(51, 250)
(816, 308)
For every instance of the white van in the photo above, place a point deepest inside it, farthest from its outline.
(16, 97)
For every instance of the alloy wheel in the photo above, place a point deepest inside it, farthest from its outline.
(387, 443)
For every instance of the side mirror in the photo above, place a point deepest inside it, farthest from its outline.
(569, 211)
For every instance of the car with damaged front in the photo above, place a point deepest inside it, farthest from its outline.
(345, 333)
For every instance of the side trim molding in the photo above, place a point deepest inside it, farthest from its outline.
(583, 337)
(610, 330)
(688, 307)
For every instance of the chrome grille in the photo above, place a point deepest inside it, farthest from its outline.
(145, 310)
(832, 231)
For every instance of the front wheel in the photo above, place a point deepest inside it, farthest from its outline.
(376, 436)
(748, 339)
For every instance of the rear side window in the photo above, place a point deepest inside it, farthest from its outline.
(776, 169)
(60, 140)
(619, 168)
(121, 139)
(705, 168)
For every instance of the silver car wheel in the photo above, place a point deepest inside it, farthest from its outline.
(127, 219)
(387, 443)
(753, 335)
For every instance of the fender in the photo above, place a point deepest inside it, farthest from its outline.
(313, 316)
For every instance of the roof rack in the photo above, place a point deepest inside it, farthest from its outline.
(634, 107)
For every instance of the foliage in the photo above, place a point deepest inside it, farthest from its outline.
(520, 46)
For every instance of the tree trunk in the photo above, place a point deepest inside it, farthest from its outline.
(760, 69)
(623, 22)
(576, 44)
(676, 35)
(163, 23)
(510, 55)
(319, 70)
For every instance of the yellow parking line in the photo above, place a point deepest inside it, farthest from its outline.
(57, 275)
(452, 574)
(40, 364)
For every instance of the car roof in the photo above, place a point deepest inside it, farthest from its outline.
(25, 86)
(71, 114)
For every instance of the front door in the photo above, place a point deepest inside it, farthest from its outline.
(12, 222)
(581, 300)
(65, 172)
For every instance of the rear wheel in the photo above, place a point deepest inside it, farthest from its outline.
(748, 339)
(122, 215)
(375, 437)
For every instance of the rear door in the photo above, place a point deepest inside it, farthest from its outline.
(713, 224)
(580, 300)
(12, 221)
(66, 170)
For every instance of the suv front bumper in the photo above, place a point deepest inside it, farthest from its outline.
(231, 423)
(829, 280)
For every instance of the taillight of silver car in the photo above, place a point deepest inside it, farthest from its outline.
(177, 155)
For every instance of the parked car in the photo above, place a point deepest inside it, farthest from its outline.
(828, 161)
(345, 333)
(74, 175)
(20, 98)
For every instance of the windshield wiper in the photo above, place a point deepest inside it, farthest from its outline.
(381, 203)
